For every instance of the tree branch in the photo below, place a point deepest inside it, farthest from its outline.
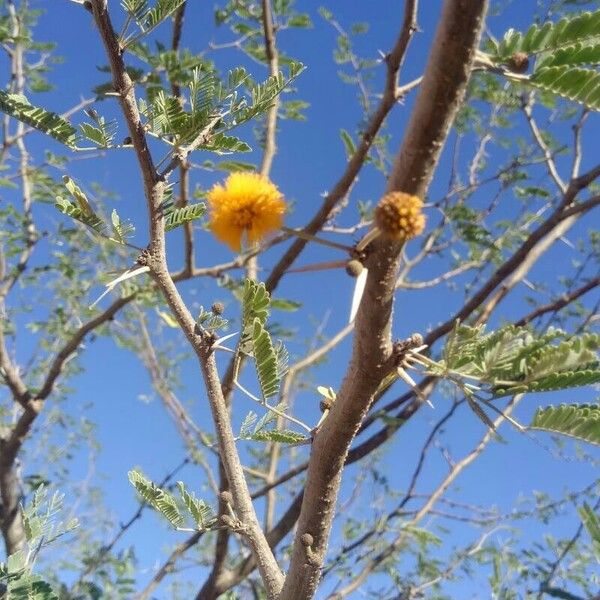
(440, 95)
(155, 258)
(389, 99)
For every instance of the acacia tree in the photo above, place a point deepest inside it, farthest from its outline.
(487, 91)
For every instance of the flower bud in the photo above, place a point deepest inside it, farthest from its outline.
(399, 216)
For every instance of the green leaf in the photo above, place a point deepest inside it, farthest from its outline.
(247, 425)
(40, 517)
(580, 421)
(150, 18)
(210, 321)
(50, 123)
(348, 143)
(121, 230)
(101, 133)
(233, 166)
(569, 31)
(283, 436)
(255, 305)
(30, 587)
(263, 94)
(265, 359)
(159, 499)
(137, 9)
(160, 12)
(301, 20)
(225, 144)
(574, 83)
(579, 54)
(268, 418)
(285, 305)
(515, 359)
(591, 522)
(199, 510)
(78, 195)
(236, 77)
(167, 117)
(179, 216)
(80, 210)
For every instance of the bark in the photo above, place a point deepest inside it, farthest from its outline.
(441, 93)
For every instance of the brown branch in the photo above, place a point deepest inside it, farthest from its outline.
(155, 259)
(10, 374)
(10, 488)
(270, 146)
(269, 151)
(559, 303)
(380, 437)
(212, 589)
(11, 520)
(551, 574)
(125, 89)
(521, 271)
(539, 139)
(169, 565)
(70, 347)
(440, 96)
(373, 562)
(184, 168)
(340, 190)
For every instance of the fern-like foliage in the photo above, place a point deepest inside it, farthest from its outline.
(270, 360)
(225, 144)
(281, 436)
(255, 305)
(41, 525)
(50, 123)
(136, 9)
(265, 359)
(80, 209)
(569, 32)
(24, 586)
(40, 517)
(161, 11)
(565, 53)
(178, 216)
(215, 108)
(100, 132)
(121, 230)
(210, 321)
(574, 83)
(580, 421)
(591, 522)
(261, 430)
(201, 513)
(165, 503)
(147, 17)
(515, 359)
(247, 426)
(160, 500)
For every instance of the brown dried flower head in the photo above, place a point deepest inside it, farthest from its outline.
(399, 216)
(518, 62)
(354, 268)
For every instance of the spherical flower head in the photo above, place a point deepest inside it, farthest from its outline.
(248, 204)
(399, 216)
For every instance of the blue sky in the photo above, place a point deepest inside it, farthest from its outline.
(310, 159)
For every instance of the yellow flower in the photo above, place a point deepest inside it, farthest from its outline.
(399, 216)
(247, 203)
